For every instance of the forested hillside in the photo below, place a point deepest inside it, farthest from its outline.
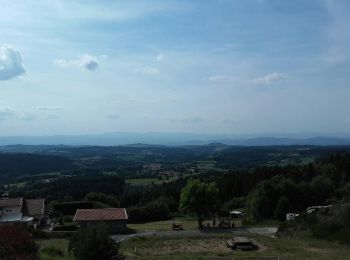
(13, 165)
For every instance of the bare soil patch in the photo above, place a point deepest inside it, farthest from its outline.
(188, 245)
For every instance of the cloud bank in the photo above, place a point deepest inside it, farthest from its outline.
(87, 62)
(270, 79)
(148, 71)
(50, 108)
(221, 78)
(10, 63)
(6, 113)
(113, 116)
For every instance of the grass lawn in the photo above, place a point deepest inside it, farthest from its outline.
(54, 249)
(214, 247)
(17, 185)
(165, 225)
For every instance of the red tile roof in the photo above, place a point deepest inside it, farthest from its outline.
(100, 214)
(11, 202)
(34, 206)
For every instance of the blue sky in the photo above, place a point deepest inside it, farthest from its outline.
(214, 66)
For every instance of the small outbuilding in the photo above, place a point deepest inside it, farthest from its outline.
(114, 218)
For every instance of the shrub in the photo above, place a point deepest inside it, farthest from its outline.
(110, 200)
(52, 251)
(70, 208)
(94, 243)
(16, 243)
(66, 228)
(67, 219)
(152, 211)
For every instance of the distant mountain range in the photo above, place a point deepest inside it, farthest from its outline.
(111, 139)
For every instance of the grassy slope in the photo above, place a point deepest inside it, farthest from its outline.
(214, 246)
(211, 246)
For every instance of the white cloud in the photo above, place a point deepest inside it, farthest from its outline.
(148, 71)
(270, 79)
(50, 108)
(195, 119)
(226, 47)
(87, 62)
(189, 120)
(160, 57)
(26, 117)
(231, 121)
(10, 63)
(338, 32)
(221, 78)
(52, 117)
(103, 56)
(113, 116)
(7, 113)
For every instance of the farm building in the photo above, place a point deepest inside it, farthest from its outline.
(19, 210)
(114, 218)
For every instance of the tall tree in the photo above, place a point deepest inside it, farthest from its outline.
(199, 198)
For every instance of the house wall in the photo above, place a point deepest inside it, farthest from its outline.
(117, 226)
(10, 210)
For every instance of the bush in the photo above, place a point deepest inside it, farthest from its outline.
(52, 251)
(67, 219)
(70, 208)
(94, 243)
(110, 200)
(39, 234)
(332, 225)
(235, 203)
(16, 243)
(325, 230)
(282, 208)
(66, 228)
(152, 211)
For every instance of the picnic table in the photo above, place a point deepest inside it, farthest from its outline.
(177, 226)
(241, 243)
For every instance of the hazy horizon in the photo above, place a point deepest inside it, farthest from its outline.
(178, 139)
(225, 67)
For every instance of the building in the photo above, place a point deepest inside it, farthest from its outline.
(291, 216)
(35, 208)
(22, 211)
(114, 218)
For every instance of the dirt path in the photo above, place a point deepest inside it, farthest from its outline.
(267, 231)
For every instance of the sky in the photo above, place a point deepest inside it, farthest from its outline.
(177, 66)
